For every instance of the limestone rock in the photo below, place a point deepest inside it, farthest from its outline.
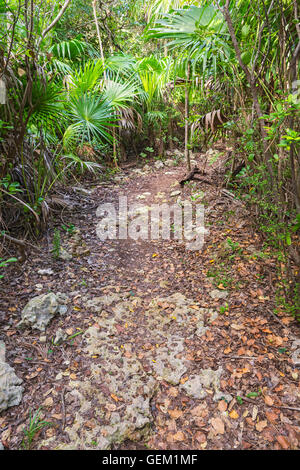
(167, 366)
(178, 153)
(158, 164)
(45, 272)
(217, 294)
(196, 385)
(60, 336)
(10, 385)
(83, 191)
(41, 309)
(170, 162)
(64, 254)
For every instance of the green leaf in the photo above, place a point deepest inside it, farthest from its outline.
(282, 350)
(252, 395)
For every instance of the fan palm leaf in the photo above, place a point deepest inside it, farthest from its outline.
(87, 77)
(91, 116)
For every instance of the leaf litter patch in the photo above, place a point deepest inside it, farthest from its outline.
(113, 403)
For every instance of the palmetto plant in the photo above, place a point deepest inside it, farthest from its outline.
(199, 33)
(153, 73)
(88, 77)
(48, 105)
(72, 49)
(90, 117)
(155, 8)
(121, 94)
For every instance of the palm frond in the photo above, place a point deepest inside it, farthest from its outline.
(87, 77)
(48, 108)
(90, 116)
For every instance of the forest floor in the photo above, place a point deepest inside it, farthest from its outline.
(161, 347)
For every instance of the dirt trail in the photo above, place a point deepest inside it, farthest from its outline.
(175, 348)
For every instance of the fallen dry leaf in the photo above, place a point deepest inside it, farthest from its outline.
(272, 417)
(179, 436)
(284, 443)
(175, 413)
(222, 406)
(261, 425)
(268, 400)
(218, 425)
(233, 414)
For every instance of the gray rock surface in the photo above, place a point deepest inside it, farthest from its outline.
(60, 336)
(175, 193)
(10, 385)
(158, 164)
(41, 309)
(64, 254)
(197, 385)
(218, 294)
(170, 162)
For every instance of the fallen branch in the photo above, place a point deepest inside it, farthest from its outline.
(191, 176)
(22, 245)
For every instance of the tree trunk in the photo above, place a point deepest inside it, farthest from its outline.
(186, 117)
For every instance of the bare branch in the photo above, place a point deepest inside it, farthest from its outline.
(51, 25)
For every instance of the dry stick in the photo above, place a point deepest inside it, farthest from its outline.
(63, 407)
(99, 36)
(186, 124)
(23, 243)
(190, 175)
(273, 406)
(56, 19)
(280, 322)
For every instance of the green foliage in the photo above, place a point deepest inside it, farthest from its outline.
(90, 116)
(56, 245)
(35, 425)
(10, 186)
(4, 263)
(199, 32)
(71, 49)
(70, 229)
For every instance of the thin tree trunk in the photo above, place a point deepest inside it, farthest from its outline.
(99, 36)
(186, 117)
(252, 83)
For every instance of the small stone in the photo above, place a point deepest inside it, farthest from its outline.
(170, 162)
(218, 294)
(48, 402)
(175, 193)
(80, 190)
(158, 165)
(193, 387)
(60, 336)
(45, 272)
(296, 357)
(64, 255)
(43, 339)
